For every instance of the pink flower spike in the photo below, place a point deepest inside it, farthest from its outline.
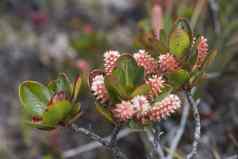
(141, 106)
(110, 58)
(156, 83)
(123, 111)
(168, 63)
(99, 89)
(144, 60)
(202, 51)
(164, 108)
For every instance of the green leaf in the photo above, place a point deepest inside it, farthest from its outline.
(141, 90)
(115, 89)
(149, 42)
(34, 97)
(209, 59)
(179, 42)
(57, 112)
(63, 84)
(165, 92)
(40, 125)
(52, 86)
(192, 57)
(160, 47)
(76, 88)
(105, 113)
(125, 78)
(183, 24)
(74, 114)
(196, 76)
(178, 78)
(131, 75)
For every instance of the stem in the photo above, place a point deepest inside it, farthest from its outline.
(156, 142)
(197, 131)
(180, 131)
(94, 144)
(115, 132)
(115, 150)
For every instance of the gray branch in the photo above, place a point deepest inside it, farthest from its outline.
(94, 144)
(197, 132)
(115, 132)
(157, 143)
(180, 131)
(115, 149)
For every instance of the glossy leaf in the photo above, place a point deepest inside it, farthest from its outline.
(105, 113)
(63, 84)
(57, 112)
(141, 90)
(52, 86)
(179, 42)
(115, 89)
(178, 78)
(76, 88)
(192, 57)
(74, 114)
(183, 24)
(196, 76)
(165, 92)
(131, 74)
(209, 59)
(124, 78)
(34, 97)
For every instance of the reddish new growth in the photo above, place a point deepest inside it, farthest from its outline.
(156, 83)
(202, 51)
(110, 58)
(165, 108)
(168, 63)
(36, 119)
(123, 111)
(144, 60)
(99, 89)
(59, 96)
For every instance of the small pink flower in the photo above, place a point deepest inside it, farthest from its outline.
(141, 106)
(168, 63)
(123, 111)
(202, 51)
(99, 89)
(110, 58)
(156, 83)
(164, 108)
(144, 60)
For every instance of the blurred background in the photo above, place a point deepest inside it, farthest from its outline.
(39, 38)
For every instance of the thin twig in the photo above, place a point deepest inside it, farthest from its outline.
(153, 138)
(197, 131)
(94, 144)
(115, 132)
(90, 134)
(156, 142)
(115, 150)
(180, 131)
